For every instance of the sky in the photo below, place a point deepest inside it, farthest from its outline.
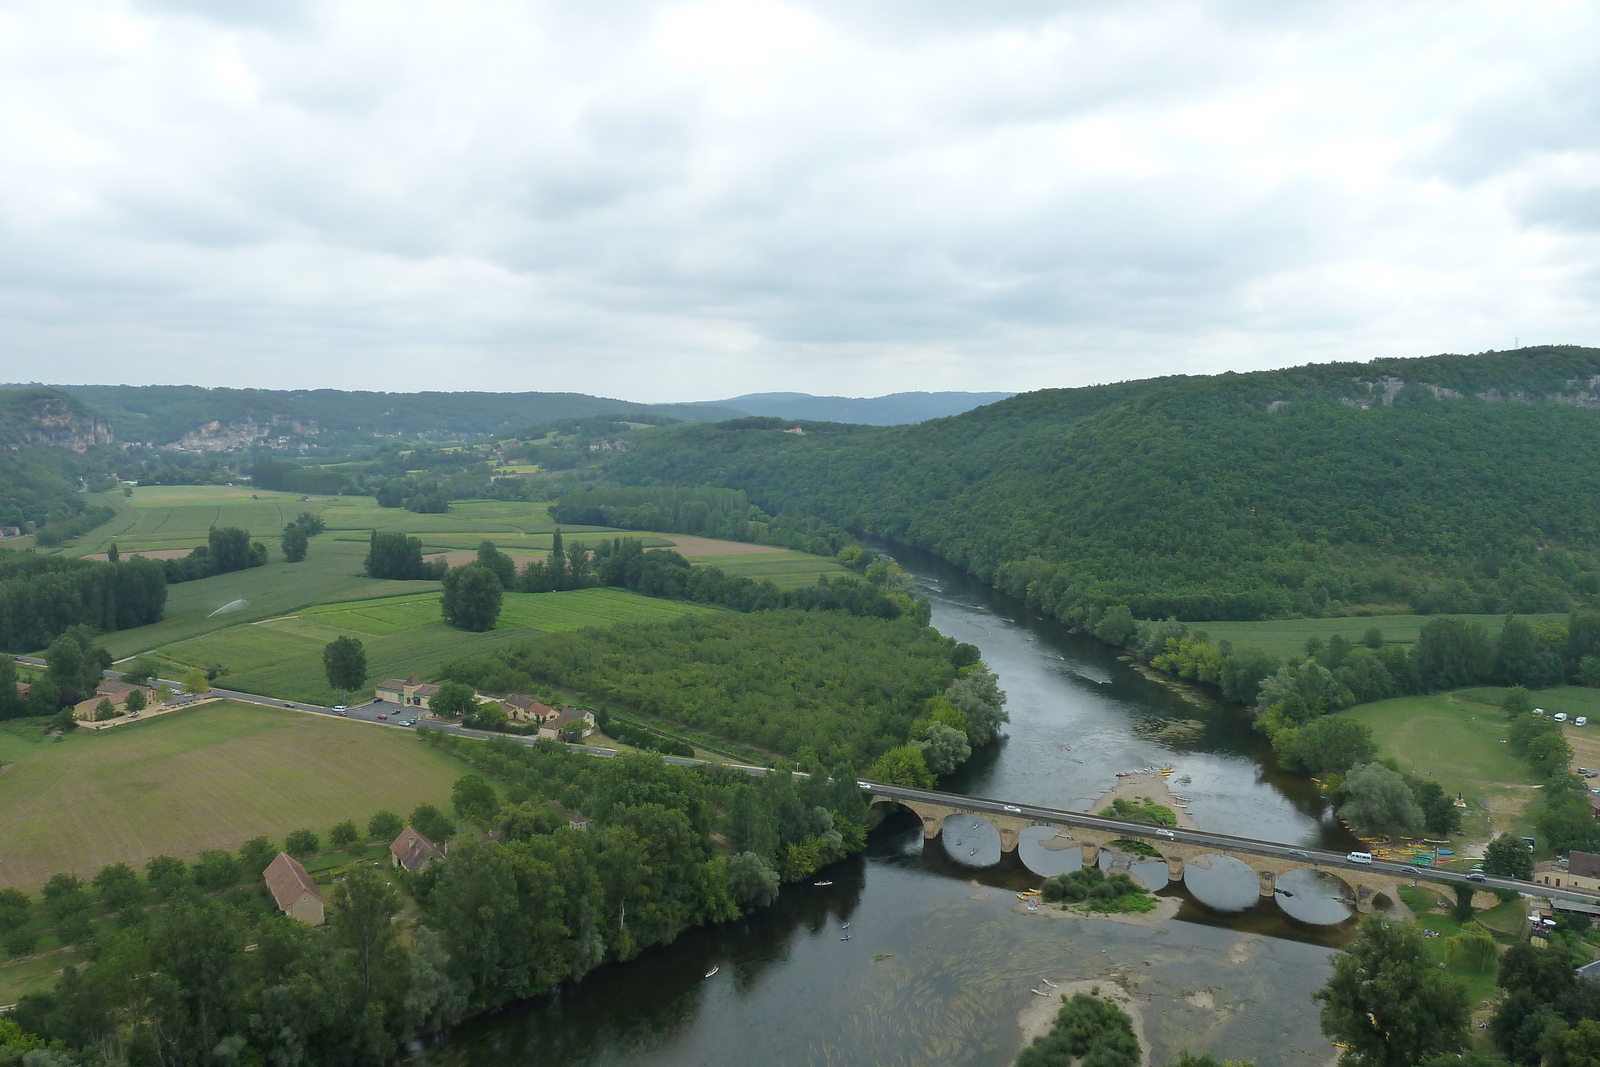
(688, 201)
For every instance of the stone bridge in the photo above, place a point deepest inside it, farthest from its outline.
(1364, 886)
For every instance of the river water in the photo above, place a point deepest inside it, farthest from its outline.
(941, 957)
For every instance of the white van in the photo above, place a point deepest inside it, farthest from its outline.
(1581, 720)
(1359, 857)
(1561, 716)
(1538, 711)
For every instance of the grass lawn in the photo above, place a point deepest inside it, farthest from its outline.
(210, 777)
(786, 569)
(1503, 920)
(1287, 637)
(1457, 743)
(402, 636)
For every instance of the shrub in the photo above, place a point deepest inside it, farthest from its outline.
(344, 834)
(301, 843)
(385, 825)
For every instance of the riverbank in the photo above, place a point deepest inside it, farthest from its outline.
(1037, 1018)
(1150, 785)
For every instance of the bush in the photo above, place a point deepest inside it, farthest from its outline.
(255, 855)
(216, 869)
(344, 834)
(166, 875)
(301, 843)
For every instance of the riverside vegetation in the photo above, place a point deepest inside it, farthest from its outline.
(498, 919)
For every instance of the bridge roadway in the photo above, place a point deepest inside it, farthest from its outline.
(1223, 843)
(1040, 815)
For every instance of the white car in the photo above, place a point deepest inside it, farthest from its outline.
(1538, 711)
(1581, 720)
(1013, 808)
(1164, 833)
(341, 707)
(1561, 716)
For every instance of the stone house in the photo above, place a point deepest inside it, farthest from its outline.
(570, 719)
(412, 692)
(113, 690)
(411, 851)
(295, 893)
(520, 708)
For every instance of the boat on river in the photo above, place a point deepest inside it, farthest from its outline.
(819, 885)
(712, 971)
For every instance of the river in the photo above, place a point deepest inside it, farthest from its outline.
(941, 958)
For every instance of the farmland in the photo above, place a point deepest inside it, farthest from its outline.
(402, 635)
(210, 777)
(784, 568)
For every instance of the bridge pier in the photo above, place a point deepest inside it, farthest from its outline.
(1269, 882)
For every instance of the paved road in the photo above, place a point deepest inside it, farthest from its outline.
(394, 713)
(1223, 842)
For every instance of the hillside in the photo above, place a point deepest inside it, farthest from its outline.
(1447, 483)
(895, 409)
(48, 441)
(216, 418)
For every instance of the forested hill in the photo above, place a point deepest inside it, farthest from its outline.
(161, 414)
(1459, 483)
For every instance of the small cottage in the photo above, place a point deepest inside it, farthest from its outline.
(520, 708)
(573, 719)
(411, 851)
(295, 893)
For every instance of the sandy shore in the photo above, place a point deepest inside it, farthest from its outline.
(1135, 786)
(1037, 1018)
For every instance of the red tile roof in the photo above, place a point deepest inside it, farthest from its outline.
(289, 881)
(413, 851)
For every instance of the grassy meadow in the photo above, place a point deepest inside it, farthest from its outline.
(1286, 638)
(209, 777)
(784, 568)
(403, 635)
(1456, 742)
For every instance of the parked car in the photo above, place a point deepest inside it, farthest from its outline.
(1538, 711)
(344, 714)
(341, 707)
(1561, 716)
(382, 716)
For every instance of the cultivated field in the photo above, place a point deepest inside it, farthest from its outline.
(782, 567)
(210, 777)
(1287, 637)
(1456, 742)
(282, 657)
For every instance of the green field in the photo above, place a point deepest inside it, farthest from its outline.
(282, 657)
(210, 777)
(786, 569)
(1286, 638)
(1456, 742)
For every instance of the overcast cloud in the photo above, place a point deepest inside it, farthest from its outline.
(668, 201)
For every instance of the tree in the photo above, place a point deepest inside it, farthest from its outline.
(1463, 910)
(294, 543)
(1450, 653)
(166, 875)
(1379, 799)
(1333, 744)
(344, 834)
(453, 699)
(472, 598)
(75, 661)
(384, 826)
(943, 748)
(345, 661)
(1522, 657)
(1387, 1004)
(112, 553)
(194, 681)
(432, 823)
(1116, 626)
(1189, 1059)
(1549, 754)
(301, 843)
(752, 880)
(362, 923)
(12, 706)
(502, 565)
(976, 692)
(65, 896)
(556, 563)
(1440, 815)
(902, 766)
(474, 798)
(1472, 950)
(1508, 856)
(135, 701)
(1373, 638)
(105, 710)
(216, 869)
(119, 885)
(255, 855)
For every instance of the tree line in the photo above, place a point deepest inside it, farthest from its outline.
(41, 597)
(726, 514)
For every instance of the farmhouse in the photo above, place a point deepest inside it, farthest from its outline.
(521, 708)
(1583, 872)
(114, 691)
(294, 891)
(573, 719)
(412, 692)
(412, 852)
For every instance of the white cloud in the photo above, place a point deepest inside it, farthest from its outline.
(689, 200)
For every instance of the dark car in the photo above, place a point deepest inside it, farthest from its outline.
(344, 714)
(287, 704)
(1475, 876)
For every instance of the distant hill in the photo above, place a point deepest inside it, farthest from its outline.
(44, 438)
(164, 414)
(895, 409)
(1445, 483)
